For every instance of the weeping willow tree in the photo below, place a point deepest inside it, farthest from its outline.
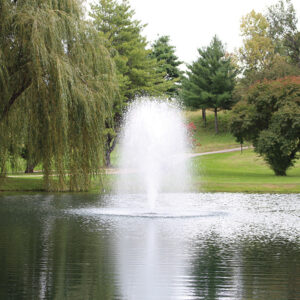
(57, 83)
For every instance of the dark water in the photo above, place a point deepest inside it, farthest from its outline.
(199, 246)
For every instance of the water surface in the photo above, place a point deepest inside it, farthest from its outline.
(196, 246)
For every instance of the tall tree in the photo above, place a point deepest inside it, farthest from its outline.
(210, 80)
(138, 73)
(271, 48)
(283, 30)
(257, 52)
(56, 86)
(169, 63)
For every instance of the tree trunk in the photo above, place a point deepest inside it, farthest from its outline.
(107, 158)
(204, 116)
(29, 168)
(14, 97)
(280, 173)
(110, 146)
(216, 121)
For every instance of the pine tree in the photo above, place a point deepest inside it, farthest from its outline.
(210, 80)
(56, 86)
(138, 72)
(169, 63)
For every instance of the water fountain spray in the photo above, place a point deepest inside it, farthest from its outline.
(153, 150)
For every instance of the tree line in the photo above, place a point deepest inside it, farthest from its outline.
(65, 83)
(260, 83)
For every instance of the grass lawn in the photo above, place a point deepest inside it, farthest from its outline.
(205, 137)
(223, 172)
(246, 172)
(24, 183)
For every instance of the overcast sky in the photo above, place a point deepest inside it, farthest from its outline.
(191, 24)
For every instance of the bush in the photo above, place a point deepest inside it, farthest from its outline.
(269, 117)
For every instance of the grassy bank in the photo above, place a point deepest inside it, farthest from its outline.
(22, 183)
(205, 138)
(223, 172)
(246, 172)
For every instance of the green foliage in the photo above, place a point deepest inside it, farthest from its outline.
(257, 51)
(269, 117)
(138, 73)
(271, 44)
(169, 63)
(243, 118)
(56, 86)
(280, 142)
(283, 28)
(210, 80)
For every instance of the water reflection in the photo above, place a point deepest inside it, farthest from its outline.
(151, 260)
(45, 255)
(46, 252)
(247, 269)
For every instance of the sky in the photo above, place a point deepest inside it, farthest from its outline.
(191, 24)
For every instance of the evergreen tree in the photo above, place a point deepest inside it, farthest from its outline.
(56, 85)
(210, 80)
(138, 73)
(169, 63)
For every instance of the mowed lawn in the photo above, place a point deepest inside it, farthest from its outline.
(22, 183)
(205, 138)
(241, 172)
(223, 172)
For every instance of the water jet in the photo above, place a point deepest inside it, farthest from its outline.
(154, 144)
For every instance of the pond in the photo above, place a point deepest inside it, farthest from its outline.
(196, 246)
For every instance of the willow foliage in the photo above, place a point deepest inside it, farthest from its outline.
(56, 87)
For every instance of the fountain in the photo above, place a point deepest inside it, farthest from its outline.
(151, 239)
(154, 148)
(161, 242)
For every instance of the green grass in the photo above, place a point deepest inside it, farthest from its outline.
(22, 183)
(223, 172)
(246, 172)
(30, 183)
(205, 137)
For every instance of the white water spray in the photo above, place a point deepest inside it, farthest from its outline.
(153, 150)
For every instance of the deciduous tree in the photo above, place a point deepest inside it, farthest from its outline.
(269, 117)
(283, 30)
(56, 86)
(257, 52)
(270, 48)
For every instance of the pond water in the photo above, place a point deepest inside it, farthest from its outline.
(195, 246)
